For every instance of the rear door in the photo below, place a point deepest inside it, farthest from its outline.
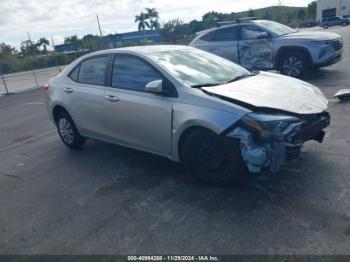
(222, 42)
(85, 96)
(137, 118)
(255, 52)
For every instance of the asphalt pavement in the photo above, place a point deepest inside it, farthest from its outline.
(106, 199)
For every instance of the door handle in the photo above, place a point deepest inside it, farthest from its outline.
(68, 90)
(112, 98)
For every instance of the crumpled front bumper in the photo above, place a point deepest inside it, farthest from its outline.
(282, 147)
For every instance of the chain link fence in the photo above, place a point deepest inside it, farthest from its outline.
(17, 82)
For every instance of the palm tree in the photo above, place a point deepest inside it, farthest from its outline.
(43, 42)
(153, 16)
(141, 19)
(152, 13)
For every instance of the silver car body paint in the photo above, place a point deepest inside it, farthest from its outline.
(155, 123)
(274, 91)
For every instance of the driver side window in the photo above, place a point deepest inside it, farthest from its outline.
(132, 73)
(250, 32)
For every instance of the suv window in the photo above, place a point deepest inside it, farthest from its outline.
(250, 32)
(92, 70)
(132, 73)
(224, 34)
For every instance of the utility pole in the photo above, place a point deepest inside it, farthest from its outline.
(99, 27)
(53, 43)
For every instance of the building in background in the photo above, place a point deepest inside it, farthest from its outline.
(117, 40)
(330, 8)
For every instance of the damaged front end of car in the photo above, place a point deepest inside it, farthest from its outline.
(272, 139)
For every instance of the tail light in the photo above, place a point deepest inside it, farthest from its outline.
(46, 87)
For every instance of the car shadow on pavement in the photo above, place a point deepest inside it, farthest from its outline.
(128, 170)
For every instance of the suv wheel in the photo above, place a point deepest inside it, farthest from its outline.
(325, 26)
(344, 24)
(211, 158)
(68, 132)
(294, 64)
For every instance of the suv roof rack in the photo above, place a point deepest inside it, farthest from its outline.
(237, 21)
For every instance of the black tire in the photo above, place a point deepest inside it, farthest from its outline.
(212, 159)
(344, 24)
(68, 132)
(325, 27)
(294, 64)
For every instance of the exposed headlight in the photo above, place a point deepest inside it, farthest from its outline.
(268, 126)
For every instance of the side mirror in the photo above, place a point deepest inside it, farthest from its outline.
(155, 87)
(263, 35)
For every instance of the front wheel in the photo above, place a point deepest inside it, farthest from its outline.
(211, 158)
(294, 64)
(68, 132)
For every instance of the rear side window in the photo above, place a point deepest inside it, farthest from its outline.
(132, 73)
(92, 71)
(74, 74)
(226, 34)
(220, 35)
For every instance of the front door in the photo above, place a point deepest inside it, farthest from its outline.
(255, 48)
(137, 118)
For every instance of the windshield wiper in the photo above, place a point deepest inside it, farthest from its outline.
(253, 73)
(206, 85)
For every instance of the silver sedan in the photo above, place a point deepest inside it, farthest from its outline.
(188, 105)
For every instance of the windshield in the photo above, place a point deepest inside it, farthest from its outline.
(275, 27)
(194, 67)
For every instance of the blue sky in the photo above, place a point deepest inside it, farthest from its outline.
(61, 18)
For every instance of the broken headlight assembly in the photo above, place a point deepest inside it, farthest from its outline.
(270, 127)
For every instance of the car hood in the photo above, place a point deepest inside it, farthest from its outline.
(312, 35)
(273, 91)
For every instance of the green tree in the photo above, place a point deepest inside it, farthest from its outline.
(171, 30)
(6, 50)
(301, 14)
(74, 41)
(28, 47)
(267, 15)
(311, 10)
(43, 42)
(251, 13)
(142, 20)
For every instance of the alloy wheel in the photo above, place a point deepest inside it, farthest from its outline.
(292, 66)
(66, 130)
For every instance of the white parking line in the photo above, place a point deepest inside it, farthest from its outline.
(27, 140)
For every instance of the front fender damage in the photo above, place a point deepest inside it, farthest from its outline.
(271, 154)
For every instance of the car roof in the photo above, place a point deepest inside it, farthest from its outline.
(230, 25)
(147, 49)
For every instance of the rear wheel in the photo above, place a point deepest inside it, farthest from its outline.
(325, 26)
(294, 64)
(211, 158)
(68, 132)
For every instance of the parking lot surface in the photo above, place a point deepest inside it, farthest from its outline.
(107, 199)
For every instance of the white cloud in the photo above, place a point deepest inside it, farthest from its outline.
(61, 18)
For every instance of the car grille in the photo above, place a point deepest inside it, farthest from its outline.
(336, 44)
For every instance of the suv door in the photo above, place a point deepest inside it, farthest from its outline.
(255, 48)
(84, 97)
(138, 119)
(222, 42)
